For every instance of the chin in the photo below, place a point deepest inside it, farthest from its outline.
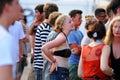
(117, 36)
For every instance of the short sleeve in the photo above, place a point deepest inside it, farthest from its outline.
(6, 51)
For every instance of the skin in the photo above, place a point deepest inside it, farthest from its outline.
(38, 15)
(6, 72)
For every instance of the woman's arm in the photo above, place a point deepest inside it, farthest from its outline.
(80, 67)
(6, 72)
(104, 61)
(45, 57)
(46, 48)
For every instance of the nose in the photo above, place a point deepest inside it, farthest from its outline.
(19, 5)
(117, 29)
(72, 23)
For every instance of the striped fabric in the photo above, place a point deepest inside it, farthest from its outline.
(41, 36)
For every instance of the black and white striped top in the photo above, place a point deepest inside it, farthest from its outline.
(41, 36)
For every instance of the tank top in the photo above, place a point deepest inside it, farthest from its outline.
(91, 62)
(115, 64)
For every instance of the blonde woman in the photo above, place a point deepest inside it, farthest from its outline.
(113, 39)
(58, 50)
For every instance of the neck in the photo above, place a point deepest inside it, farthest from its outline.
(117, 39)
(66, 32)
(4, 23)
(75, 27)
(46, 20)
(40, 20)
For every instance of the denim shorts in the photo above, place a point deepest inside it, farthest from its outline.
(60, 74)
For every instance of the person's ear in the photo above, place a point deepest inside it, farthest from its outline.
(118, 10)
(6, 8)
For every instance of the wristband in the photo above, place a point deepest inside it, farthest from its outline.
(54, 61)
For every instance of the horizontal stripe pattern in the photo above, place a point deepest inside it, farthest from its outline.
(41, 36)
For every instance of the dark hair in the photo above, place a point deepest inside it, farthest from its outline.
(39, 8)
(108, 10)
(114, 5)
(2, 4)
(53, 16)
(49, 8)
(98, 11)
(99, 29)
(74, 12)
(25, 19)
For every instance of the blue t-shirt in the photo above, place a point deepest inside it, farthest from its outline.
(75, 36)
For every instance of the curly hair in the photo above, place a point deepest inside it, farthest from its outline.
(90, 19)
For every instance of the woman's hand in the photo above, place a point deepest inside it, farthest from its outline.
(53, 67)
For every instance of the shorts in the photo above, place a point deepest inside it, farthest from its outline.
(73, 72)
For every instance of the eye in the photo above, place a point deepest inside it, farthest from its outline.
(115, 26)
(70, 21)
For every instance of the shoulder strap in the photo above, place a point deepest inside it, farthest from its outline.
(66, 39)
(65, 36)
(111, 52)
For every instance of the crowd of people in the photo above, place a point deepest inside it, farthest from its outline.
(59, 50)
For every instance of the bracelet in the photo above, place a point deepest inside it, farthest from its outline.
(113, 74)
(54, 61)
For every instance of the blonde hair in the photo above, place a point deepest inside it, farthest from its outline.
(59, 22)
(53, 16)
(109, 36)
(90, 19)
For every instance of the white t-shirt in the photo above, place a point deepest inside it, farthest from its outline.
(7, 53)
(16, 30)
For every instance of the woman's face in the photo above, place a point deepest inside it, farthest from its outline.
(68, 24)
(116, 29)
